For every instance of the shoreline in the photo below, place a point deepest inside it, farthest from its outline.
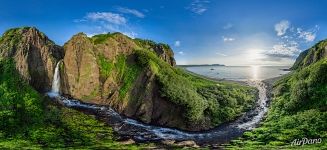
(213, 79)
(269, 81)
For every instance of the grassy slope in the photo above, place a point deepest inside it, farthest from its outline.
(29, 120)
(310, 56)
(201, 98)
(298, 111)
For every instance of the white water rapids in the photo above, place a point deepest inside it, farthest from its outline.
(144, 132)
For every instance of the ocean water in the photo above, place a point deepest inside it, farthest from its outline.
(240, 73)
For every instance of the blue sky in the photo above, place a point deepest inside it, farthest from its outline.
(233, 32)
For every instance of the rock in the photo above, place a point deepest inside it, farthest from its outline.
(127, 142)
(187, 144)
(35, 55)
(168, 142)
(81, 71)
(81, 78)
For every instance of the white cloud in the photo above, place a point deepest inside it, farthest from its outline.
(309, 35)
(290, 39)
(228, 26)
(282, 27)
(228, 39)
(104, 22)
(177, 43)
(181, 53)
(131, 11)
(284, 50)
(130, 34)
(198, 6)
(221, 54)
(107, 17)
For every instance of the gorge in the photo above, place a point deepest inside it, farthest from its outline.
(133, 87)
(142, 132)
(132, 76)
(139, 131)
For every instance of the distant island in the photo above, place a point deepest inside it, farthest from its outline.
(201, 65)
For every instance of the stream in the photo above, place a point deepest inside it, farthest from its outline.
(141, 132)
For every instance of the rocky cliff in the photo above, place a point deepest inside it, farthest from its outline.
(312, 55)
(104, 70)
(35, 55)
(136, 77)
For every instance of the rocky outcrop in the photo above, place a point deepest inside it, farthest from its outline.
(81, 72)
(312, 55)
(163, 51)
(82, 77)
(35, 55)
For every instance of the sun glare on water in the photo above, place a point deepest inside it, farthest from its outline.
(255, 72)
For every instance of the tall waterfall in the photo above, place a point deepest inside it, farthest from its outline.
(56, 80)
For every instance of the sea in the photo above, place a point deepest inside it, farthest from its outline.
(240, 73)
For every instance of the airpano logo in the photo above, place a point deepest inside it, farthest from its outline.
(304, 141)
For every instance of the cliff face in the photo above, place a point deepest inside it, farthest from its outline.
(35, 55)
(103, 70)
(80, 75)
(312, 55)
(135, 77)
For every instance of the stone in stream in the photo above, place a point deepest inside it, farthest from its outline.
(168, 142)
(127, 142)
(187, 144)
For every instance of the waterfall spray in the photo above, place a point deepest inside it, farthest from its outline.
(56, 80)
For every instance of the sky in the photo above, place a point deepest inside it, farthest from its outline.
(230, 32)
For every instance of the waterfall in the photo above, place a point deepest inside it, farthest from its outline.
(56, 80)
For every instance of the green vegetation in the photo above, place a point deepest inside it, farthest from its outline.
(105, 65)
(199, 97)
(151, 45)
(310, 56)
(100, 38)
(127, 74)
(30, 121)
(298, 111)
(12, 36)
(20, 104)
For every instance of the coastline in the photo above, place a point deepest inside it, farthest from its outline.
(213, 79)
(270, 81)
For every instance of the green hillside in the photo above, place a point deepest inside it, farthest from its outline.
(30, 121)
(298, 109)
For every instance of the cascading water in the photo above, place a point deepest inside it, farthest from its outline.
(144, 132)
(55, 82)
